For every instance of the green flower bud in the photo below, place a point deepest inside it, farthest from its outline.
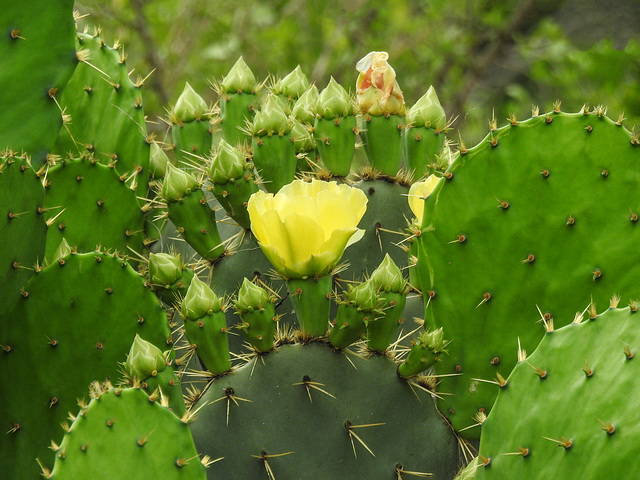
(239, 79)
(302, 138)
(228, 163)
(190, 106)
(364, 296)
(427, 112)
(433, 340)
(251, 297)
(334, 101)
(388, 277)
(293, 85)
(304, 108)
(177, 183)
(164, 269)
(144, 360)
(271, 119)
(199, 300)
(158, 161)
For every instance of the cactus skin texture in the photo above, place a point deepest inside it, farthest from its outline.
(89, 204)
(94, 101)
(587, 398)
(37, 57)
(252, 421)
(23, 229)
(76, 321)
(117, 436)
(519, 233)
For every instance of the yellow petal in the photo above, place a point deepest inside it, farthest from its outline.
(304, 238)
(418, 192)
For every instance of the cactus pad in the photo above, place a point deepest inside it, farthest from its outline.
(527, 226)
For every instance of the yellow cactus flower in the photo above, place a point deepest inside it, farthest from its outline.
(305, 227)
(377, 89)
(418, 192)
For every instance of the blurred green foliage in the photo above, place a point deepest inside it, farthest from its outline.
(484, 57)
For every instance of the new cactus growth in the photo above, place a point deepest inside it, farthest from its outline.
(206, 326)
(238, 95)
(191, 128)
(257, 311)
(334, 128)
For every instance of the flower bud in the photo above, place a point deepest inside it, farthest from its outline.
(418, 192)
(271, 119)
(364, 296)
(433, 340)
(305, 106)
(334, 101)
(302, 138)
(293, 85)
(427, 112)
(377, 89)
(190, 106)
(228, 163)
(239, 79)
(144, 359)
(199, 300)
(164, 269)
(158, 161)
(251, 297)
(388, 277)
(177, 183)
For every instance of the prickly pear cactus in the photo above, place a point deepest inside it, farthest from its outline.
(23, 228)
(520, 233)
(569, 406)
(107, 116)
(119, 434)
(38, 56)
(299, 413)
(75, 321)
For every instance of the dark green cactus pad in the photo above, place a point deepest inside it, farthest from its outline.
(92, 206)
(123, 434)
(74, 325)
(37, 57)
(107, 117)
(295, 412)
(530, 224)
(335, 141)
(588, 397)
(387, 209)
(23, 229)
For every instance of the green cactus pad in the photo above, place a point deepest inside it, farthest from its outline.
(275, 160)
(588, 397)
(123, 434)
(37, 57)
(106, 113)
(76, 322)
(23, 229)
(90, 205)
(528, 226)
(383, 141)
(335, 140)
(296, 410)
